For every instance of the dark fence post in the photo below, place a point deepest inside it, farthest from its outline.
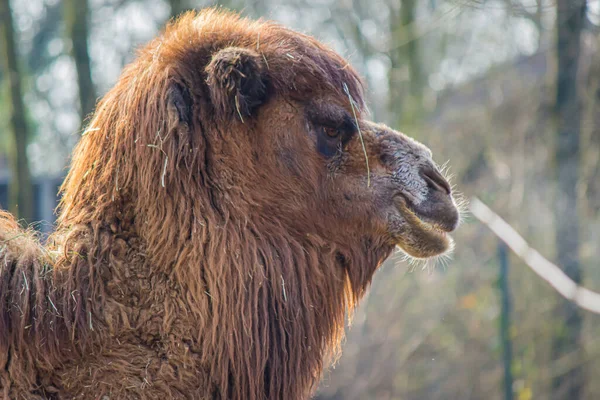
(505, 321)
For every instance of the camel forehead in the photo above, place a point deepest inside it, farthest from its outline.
(297, 64)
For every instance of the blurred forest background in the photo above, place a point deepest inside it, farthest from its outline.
(507, 90)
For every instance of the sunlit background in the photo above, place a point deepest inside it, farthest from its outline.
(476, 81)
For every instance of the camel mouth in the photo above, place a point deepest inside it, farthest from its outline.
(440, 225)
(424, 235)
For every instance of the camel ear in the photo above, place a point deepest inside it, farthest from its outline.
(237, 80)
(179, 105)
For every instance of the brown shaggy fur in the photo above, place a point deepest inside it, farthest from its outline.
(205, 249)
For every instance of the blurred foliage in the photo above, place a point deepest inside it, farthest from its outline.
(472, 79)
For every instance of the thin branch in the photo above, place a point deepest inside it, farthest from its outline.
(546, 270)
(362, 142)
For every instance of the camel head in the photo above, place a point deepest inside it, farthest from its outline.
(297, 146)
(225, 119)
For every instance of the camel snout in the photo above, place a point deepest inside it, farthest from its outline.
(438, 208)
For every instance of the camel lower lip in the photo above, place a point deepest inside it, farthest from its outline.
(425, 223)
(419, 237)
(430, 226)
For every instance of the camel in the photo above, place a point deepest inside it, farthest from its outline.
(224, 212)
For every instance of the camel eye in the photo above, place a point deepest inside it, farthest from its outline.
(332, 132)
(329, 141)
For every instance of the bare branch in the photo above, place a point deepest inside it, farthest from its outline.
(546, 270)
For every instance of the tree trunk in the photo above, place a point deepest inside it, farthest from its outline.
(21, 191)
(406, 74)
(570, 17)
(76, 21)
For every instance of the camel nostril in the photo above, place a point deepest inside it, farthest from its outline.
(435, 179)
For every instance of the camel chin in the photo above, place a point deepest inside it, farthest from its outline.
(420, 236)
